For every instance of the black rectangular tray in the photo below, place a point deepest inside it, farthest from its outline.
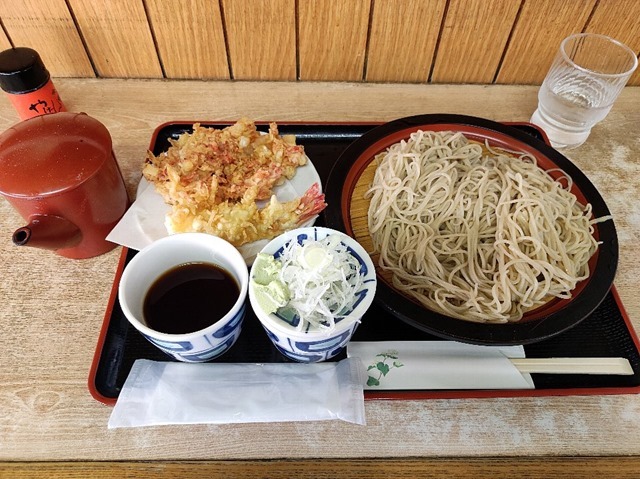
(606, 332)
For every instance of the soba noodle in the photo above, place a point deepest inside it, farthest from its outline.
(476, 233)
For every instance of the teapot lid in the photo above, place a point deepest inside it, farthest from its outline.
(51, 154)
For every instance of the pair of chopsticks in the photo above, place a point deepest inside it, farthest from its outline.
(614, 366)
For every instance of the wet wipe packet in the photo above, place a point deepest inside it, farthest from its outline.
(161, 393)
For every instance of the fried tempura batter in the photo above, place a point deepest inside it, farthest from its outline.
(244, 222)
(213, 178)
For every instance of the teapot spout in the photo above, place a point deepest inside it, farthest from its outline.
(48, 232)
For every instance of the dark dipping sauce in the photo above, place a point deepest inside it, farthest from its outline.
(189, 297)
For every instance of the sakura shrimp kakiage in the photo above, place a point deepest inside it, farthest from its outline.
(213, 180)
(244, 222)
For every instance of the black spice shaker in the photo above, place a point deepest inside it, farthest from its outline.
(28, 84)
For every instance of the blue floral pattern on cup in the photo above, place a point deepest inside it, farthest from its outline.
(207, 346)
(314, 350)
(308, 345)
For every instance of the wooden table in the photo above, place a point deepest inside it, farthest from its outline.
(51, 310)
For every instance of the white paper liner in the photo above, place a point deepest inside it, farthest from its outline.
(144, 221)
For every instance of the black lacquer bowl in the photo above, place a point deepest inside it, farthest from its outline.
(345, 209)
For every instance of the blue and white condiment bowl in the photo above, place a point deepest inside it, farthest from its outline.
(311, 344)
(163, 255)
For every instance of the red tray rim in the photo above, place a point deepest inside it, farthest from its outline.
(369, 394)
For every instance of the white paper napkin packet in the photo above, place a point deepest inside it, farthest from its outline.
(416, 365)
(161, 393)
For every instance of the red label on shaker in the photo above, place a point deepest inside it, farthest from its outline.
(42, 101)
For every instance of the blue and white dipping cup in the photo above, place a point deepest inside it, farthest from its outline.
(313, 345)
(164, 254)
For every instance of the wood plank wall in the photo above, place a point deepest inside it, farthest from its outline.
(439, 41)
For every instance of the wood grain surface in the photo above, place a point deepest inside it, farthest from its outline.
(118, 38)
(619, 19)
(440, 41)
(52, 311)
(403, 39)
(190, 38)
(332, 39)
(49, 28)
(472, 40)
(4, 40)
(262, 39)
(540, 24)
(471, 468)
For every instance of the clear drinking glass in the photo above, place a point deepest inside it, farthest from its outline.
(581, 86)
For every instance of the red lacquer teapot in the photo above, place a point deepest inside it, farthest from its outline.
(59, 172)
